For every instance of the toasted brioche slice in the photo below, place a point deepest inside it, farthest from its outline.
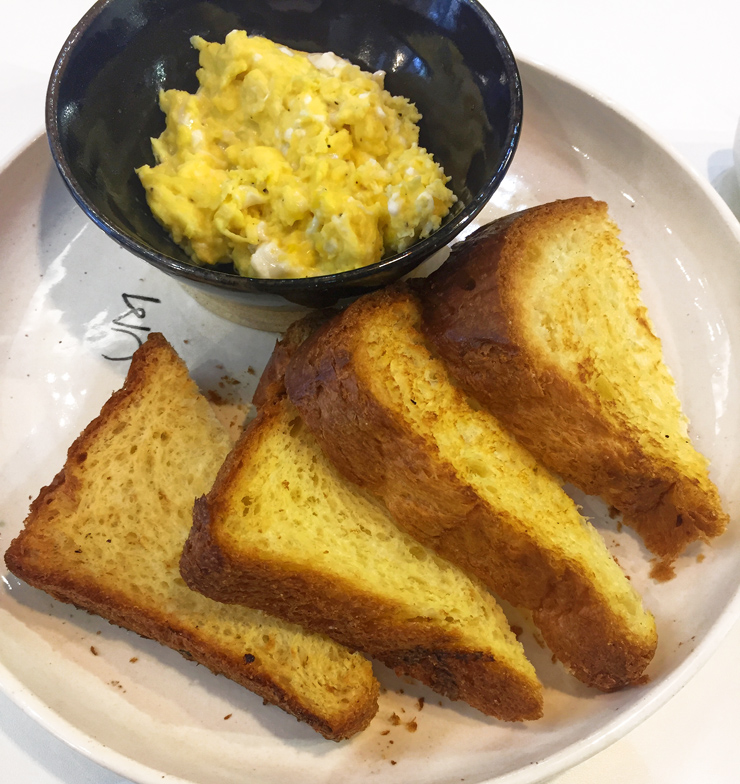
(540, 316)
(385, 410)
(281, 530)
(107, 535)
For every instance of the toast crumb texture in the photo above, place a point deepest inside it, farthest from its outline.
(385, 410)
(107, 536)
(283, 531)
(540, 315)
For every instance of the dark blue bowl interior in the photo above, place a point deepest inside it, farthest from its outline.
(448, 56)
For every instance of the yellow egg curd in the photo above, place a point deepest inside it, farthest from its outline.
(291, 164)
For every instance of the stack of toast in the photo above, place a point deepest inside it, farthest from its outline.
(386, 411)
(403, 470)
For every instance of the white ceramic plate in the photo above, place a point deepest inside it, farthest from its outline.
(73, 308)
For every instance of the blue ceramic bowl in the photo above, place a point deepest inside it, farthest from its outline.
(447, 56)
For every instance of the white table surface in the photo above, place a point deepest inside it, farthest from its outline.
(673, 65)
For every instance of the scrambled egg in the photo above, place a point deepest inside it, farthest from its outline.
(290, 164)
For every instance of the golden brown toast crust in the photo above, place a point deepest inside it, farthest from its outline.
(467, 316)
(29, 557)
(272, 381)
(375, 449)
(341, 609)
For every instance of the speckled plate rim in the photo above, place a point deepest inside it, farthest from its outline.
(575, 753)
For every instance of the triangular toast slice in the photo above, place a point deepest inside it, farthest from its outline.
(283, 531)
(540, 315)
(107, 536)
(384, 408)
